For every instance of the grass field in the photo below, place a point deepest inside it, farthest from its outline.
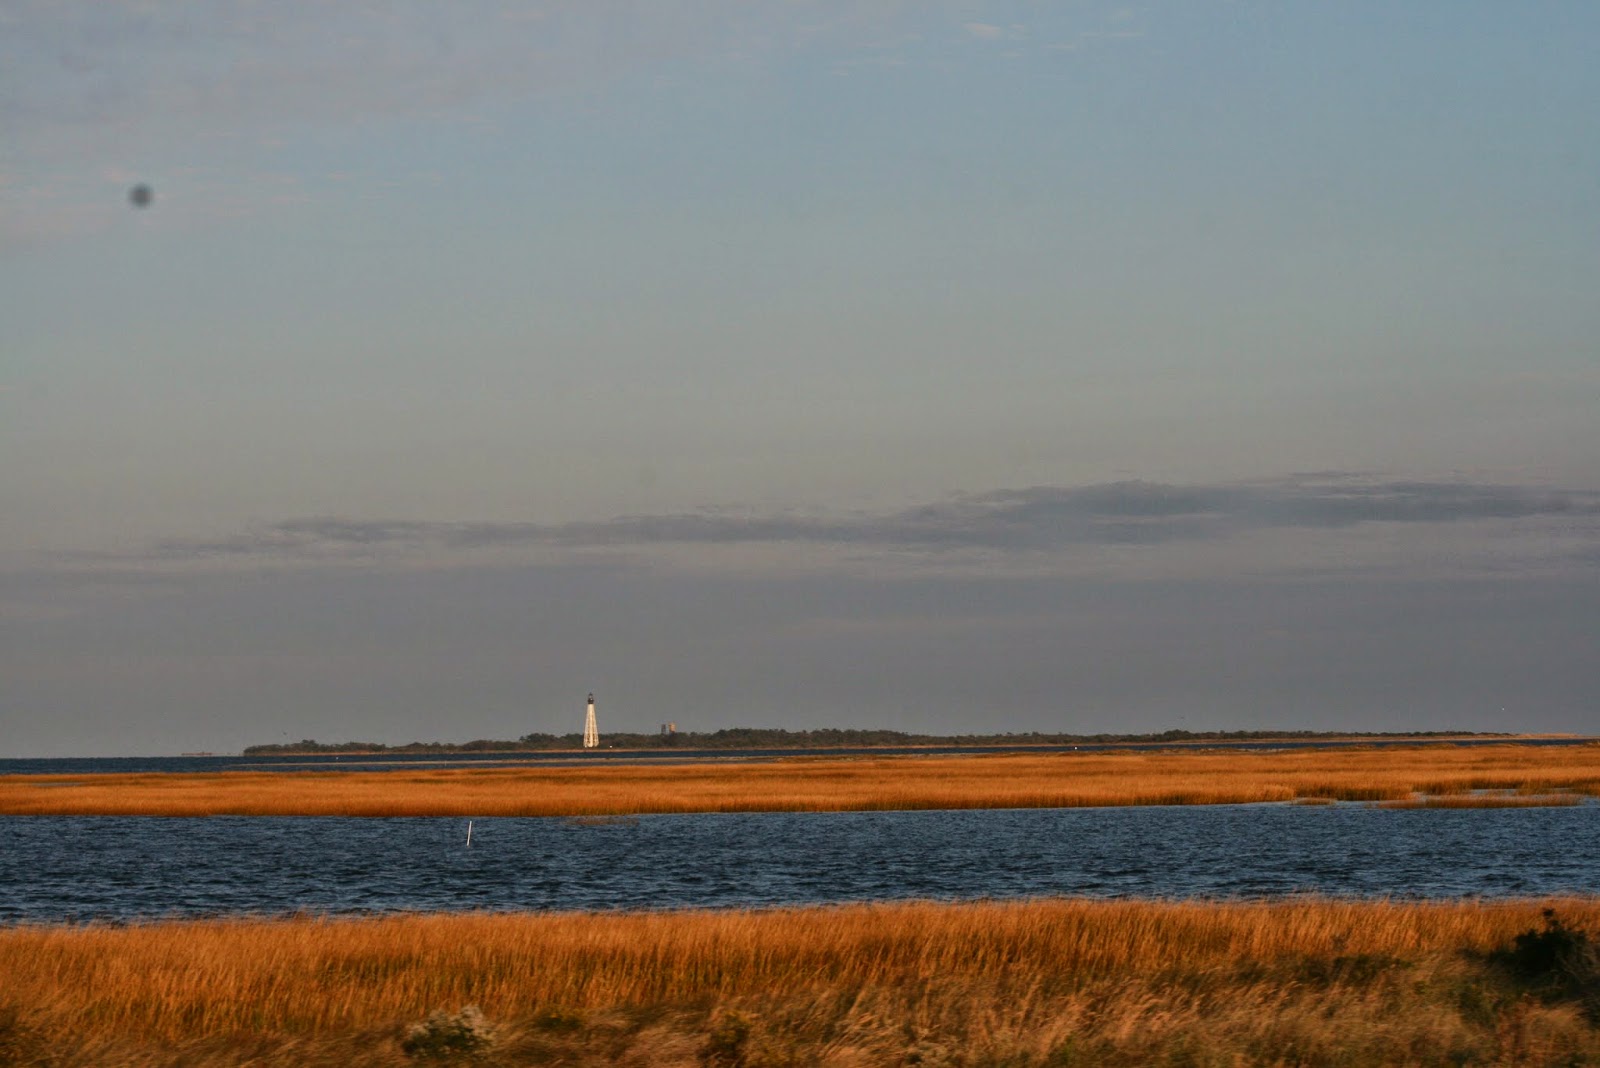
(1448, 775)
(1304, 982)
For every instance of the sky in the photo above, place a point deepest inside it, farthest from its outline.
(941, 366)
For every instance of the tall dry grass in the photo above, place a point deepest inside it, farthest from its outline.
(835, 784)
(1034, 983)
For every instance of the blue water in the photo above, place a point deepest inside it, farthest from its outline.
(75, 868)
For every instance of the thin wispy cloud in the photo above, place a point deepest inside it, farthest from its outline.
(1033, 519)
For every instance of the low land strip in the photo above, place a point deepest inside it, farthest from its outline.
(1453, 776)
(1051, 982)
(834, 738)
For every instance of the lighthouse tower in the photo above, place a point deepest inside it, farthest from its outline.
(591, 733)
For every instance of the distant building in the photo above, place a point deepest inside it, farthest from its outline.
(591, 731)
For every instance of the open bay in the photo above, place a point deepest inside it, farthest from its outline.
(126, 868)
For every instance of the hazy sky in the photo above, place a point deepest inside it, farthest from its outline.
(943, 366)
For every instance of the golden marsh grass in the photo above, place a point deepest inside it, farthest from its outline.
(1055, 982)
(1535, 775)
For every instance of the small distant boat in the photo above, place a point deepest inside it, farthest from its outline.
(197, 754)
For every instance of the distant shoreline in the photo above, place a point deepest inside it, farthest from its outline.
(761, 738)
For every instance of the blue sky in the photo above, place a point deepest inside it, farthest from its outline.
(943, 366)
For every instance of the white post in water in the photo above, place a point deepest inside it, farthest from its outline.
(469, 832)
(591, 732)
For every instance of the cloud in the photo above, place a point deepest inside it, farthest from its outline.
(1039, 518)
(984, 30)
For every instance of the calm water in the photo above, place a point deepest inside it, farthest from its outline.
(79, 868)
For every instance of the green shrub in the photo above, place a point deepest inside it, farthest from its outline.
(1559, 963)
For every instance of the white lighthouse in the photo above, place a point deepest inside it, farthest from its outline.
(591, 732)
